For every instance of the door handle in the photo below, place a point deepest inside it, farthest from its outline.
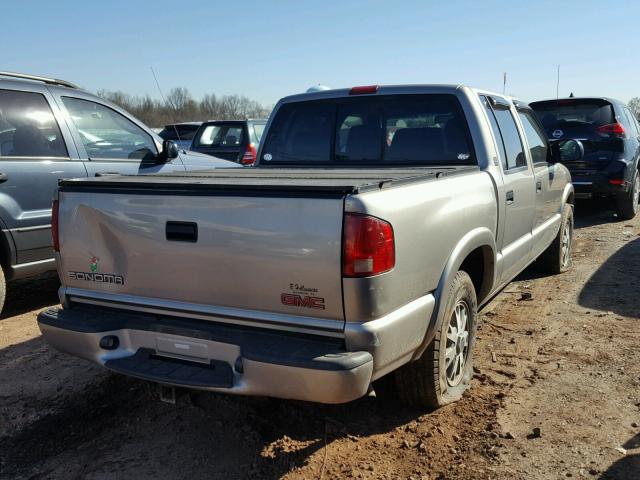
(510, 197)
(539, 187)
(3, 177)
(182, 232)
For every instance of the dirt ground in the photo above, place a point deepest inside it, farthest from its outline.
(556, 394)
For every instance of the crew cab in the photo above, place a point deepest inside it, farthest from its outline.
(376, 223)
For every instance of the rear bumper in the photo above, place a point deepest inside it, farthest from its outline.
(592, 185)
(203, 355)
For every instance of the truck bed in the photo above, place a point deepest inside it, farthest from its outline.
(313, 180)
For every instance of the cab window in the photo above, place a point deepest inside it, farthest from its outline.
(28, 127)
(535, 137)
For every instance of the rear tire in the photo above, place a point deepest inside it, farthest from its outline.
(557, 257)
(627, 204)
(443, 372)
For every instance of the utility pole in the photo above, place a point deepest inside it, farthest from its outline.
(558, 84)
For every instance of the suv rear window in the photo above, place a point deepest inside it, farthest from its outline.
(390, 130)
(219, 135)
(569, 114)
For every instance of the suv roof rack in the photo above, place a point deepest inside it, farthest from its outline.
(51, 81)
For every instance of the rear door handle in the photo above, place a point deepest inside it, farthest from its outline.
(539, 187)
(182, 232)
(3, 177)
(510, 197)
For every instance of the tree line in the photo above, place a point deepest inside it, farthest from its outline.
(180, 106)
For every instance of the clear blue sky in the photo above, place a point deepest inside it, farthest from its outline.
(268, 49)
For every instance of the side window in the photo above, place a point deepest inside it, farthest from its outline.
(28, 127)
(107, 134)
(510, 137)
(535, 137)
(220, 136)
(496, 132)
(632, 122)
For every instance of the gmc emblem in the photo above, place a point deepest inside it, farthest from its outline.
(305, 301)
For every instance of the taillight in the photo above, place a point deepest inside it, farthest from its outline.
(250, 155)
(363, 90)
(368, 246)
(55, 240)
(613, 130)
(615, 181)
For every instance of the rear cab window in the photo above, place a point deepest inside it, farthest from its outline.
(179, 132)
(385, 130)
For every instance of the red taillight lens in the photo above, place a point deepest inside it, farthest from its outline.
(613, 130)
(250, 155)
(363, 90)
(55, 240)
(616, 182)
(368, 246)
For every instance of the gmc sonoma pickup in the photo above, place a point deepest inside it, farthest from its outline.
(377, 221)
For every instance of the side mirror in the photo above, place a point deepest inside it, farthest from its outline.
(569, 150)
(170, 150)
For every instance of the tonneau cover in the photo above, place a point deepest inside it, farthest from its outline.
(334, 180)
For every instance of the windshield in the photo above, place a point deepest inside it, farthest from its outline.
(219, 135)
(389, 130)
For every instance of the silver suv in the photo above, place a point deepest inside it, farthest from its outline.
(49, 129)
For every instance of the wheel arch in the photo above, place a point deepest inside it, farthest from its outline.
(476, 252)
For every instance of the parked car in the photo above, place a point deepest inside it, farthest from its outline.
(376, 222)
(235, 140)
(49, 130)
(180, 133)
(610, 136)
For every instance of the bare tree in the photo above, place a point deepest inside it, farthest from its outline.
(179, 106)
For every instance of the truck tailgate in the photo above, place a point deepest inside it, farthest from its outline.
(259, 258)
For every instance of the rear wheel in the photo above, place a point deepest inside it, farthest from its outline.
(627, 204)
(443, 372)
(557, 257)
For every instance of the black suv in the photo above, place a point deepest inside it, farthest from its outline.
(235, 140)
(610, 136)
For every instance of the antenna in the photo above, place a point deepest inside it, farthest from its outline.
(163, 99)
(558, 84)
(504, 82)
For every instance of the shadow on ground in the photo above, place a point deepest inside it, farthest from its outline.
(30, 294)
(628, 467)
(604, 290)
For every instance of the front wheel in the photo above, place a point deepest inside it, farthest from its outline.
(627, 204)
(443, 372)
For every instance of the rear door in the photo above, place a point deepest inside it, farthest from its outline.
(109, 142)
(548, 190)
(519, 190)
(35, 152)
(225, 140)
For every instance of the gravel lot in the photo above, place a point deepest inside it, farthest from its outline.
(556, 395)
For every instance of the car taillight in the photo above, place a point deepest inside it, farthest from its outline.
(615, 181)
(250, 155)
(613, 130)
(55, 240)
(368, 246)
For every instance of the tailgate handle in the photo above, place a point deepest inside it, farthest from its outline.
(182, 232)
